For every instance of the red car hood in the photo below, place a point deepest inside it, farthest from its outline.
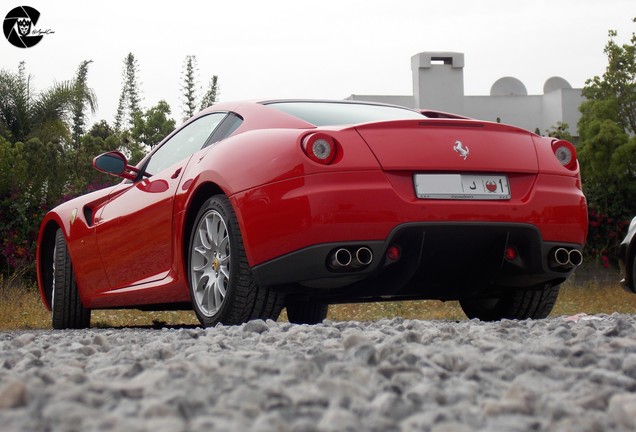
(450, 145)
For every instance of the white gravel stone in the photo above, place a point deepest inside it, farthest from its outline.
(558, 374)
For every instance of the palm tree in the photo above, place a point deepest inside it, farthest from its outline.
(46, 115)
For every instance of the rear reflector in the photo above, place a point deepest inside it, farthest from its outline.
(511, 253)
(393, 253)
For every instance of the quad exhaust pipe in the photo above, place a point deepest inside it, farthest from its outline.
(350, 258)
(562, 257)
(341, 258)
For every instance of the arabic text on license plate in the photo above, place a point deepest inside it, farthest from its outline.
(462, 186)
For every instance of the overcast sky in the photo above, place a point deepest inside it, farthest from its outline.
(315, 49)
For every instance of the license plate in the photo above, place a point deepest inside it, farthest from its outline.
(462, 186)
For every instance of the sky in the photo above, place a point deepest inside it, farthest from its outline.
(326, 49)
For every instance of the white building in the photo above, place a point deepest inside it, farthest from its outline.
(438, 84)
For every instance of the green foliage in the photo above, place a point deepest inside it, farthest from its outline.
(606, 151)
(129, 99)
(617, 86)
(561, 131)
(43, 157)
(84, 97)
(151, 127)
(189, 86)
(25, 113)
(29, 182)
(211, 96)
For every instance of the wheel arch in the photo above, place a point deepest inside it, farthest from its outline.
(203, 192)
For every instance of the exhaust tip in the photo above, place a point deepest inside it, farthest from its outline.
(341, 258)
(575, 257)
(562, 256)
(364, 256)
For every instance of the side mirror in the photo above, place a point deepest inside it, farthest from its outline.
(115, 163)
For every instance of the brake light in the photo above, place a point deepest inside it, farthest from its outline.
(565, 153)
(320, 148)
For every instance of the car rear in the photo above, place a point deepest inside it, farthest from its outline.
(448, 206)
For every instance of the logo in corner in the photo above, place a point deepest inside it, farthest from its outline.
(18, 27)
(459, 148)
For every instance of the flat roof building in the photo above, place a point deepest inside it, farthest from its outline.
(438, 84)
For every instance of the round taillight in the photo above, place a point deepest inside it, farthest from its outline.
(320, 148)
(565, 153)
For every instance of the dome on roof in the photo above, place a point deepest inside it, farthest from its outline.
(508, 86)
(555, 83)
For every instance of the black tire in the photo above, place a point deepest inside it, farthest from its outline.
(66, 304)
(304, 312)
(221, 284)
(534, 303)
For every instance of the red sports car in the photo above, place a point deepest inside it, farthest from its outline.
(250, 207)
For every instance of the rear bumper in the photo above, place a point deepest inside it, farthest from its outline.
(438, 261)
(305, 212)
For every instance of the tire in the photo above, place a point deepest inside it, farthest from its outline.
(533, 303)
(221, 284)
(66, 304)
(306, 312)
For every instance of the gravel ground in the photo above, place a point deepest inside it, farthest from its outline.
(562, 374)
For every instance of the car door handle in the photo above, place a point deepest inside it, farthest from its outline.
(176, 174)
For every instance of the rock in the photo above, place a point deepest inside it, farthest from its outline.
(622, 410)
(13, 395)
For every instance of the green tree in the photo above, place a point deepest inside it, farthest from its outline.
(39, 145)
(129, 99)
(211, 96)
(153, 125)
(618, 84)
(101, 129)
(25, 113)
(606, 151)
(189, 86)
(84, 98)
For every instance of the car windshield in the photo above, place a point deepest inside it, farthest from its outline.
(340, 113)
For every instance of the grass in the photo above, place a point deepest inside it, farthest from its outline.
(21, 308)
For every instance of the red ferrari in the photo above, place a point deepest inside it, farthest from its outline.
(250, 207)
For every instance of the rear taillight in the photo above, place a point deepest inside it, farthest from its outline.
(565, 153)
(320, 148)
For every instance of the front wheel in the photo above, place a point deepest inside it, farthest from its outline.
(534, 303)
(68, 311)
(221, 284)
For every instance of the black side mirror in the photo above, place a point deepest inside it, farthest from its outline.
(115, 163)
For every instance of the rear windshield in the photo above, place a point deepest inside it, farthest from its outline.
(341, 113)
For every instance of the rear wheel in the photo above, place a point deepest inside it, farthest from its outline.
(221, 283)
(305, 312)
(532, 303)
(68, 311)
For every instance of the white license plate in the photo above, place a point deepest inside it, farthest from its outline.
(462, 186)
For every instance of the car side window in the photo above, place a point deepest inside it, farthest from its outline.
(187, 141)
(226, 128)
